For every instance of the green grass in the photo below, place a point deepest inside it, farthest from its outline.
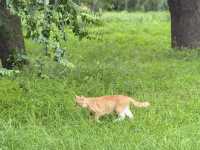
(133, 58)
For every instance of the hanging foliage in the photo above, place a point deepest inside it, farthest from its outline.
(45, 22)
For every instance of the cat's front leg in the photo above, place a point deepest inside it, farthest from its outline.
(91, 115)
(97, 116)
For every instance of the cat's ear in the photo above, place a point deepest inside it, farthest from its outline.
(77, 97)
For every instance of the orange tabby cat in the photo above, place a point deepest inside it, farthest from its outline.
(103, 105)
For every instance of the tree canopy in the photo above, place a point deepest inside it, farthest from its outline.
(44, 21)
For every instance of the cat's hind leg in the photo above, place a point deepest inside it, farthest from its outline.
(121, 116)
(97, 116)
(128, 113)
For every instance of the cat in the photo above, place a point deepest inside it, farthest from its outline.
(100, 106)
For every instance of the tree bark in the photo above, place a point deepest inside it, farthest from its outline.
(11, 37)
(3, 3)
(126, 5)
(185, 23)
(94, 5)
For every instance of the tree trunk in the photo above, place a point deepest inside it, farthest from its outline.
(94, 5)
(185, 23)
(126, 5)
(3, 3)
(11, 37)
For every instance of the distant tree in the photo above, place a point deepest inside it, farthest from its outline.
(94, 5)
(185, 23)
(126, 5)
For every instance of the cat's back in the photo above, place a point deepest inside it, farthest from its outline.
(108, 104)
(113, 98)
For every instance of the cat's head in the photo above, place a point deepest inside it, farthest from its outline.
(81, 101)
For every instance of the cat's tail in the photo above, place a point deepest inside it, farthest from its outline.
(139, 104)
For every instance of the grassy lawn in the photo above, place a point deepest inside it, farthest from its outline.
(132, 57)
